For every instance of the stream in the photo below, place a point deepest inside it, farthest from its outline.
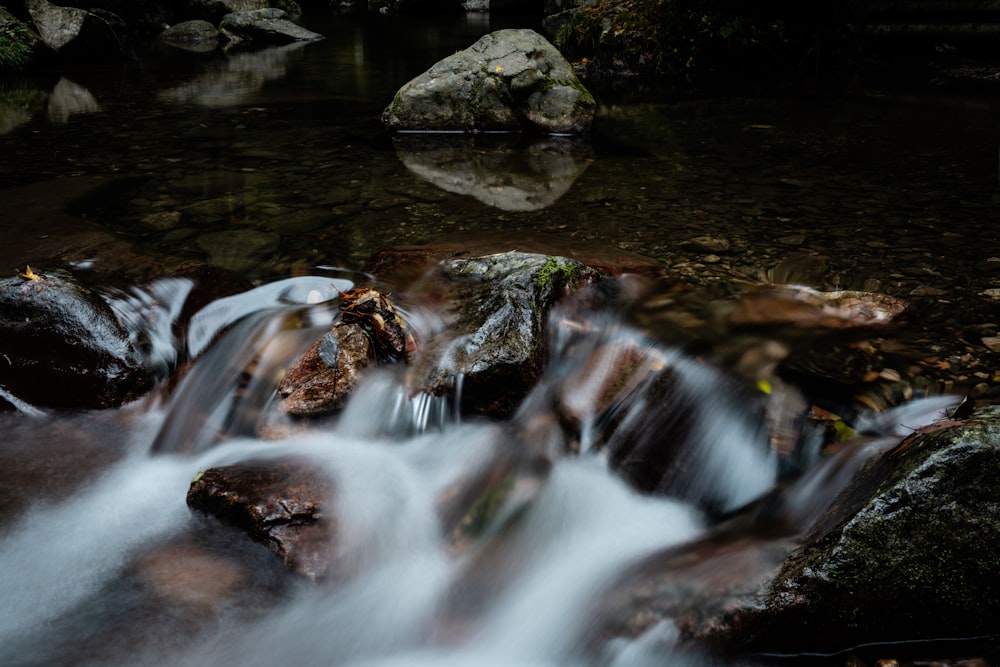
(274, 165)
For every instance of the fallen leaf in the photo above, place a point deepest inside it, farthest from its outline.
(30, 275)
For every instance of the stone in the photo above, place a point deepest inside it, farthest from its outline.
(62, 345)
(74, 32)
(509, 80)
(283, 504)
(239, 249)
(266, 26)
(24, 46)
(322, 379)
(196, 31)
(214, 10)
(910, 550)
(495, 338)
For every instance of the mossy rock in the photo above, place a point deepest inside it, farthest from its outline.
(910, 551)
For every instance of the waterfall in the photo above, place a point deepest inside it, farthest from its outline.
(116, 570)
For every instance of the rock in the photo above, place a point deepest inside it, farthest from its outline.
(195, 31)
(239, 249)
(75, 33)
(23, 46)
(266, 26)
(499, 172)
(213, 10)
(281, 503)
(495, 341)
(63, 346)
(405, 264)
(509, 80)
(909, 551)
(322, 379)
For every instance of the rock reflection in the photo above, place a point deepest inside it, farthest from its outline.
(507, 172)
(18, 105)
(67, 99)
(234, 80)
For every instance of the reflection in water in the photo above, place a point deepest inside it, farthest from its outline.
(68, 98)
(235, 79)
(500, 171)
(18, 104)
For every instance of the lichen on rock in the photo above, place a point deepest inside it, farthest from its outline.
(509, 80)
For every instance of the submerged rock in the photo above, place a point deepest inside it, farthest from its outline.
(280, 503)
(509, 80)
(62, 345)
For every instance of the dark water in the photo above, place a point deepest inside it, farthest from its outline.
(273, 162)
(270, 162)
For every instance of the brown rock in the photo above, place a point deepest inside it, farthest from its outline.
(279, 503)
(326, 374)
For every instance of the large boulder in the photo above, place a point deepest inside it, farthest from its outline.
(62, 345)
(509, 80)
(910, 551)
(76, 32)
(22, 46)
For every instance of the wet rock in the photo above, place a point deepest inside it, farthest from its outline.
(73, 32)
(265, 26)
(62, 345)
(910, 550)
(804, 307)
(406, 264)
(196, 31)
(280, 503)
(322, 379)
(495, 341)
(509, 80)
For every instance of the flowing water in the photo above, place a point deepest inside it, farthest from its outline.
(103, 563)
(273, 164)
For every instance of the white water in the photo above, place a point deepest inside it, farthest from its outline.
(97, 578)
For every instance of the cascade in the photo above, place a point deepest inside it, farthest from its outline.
(118, 571)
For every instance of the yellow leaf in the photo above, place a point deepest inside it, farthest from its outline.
(30, 275)
(498, 69)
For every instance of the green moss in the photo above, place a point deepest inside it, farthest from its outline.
(555, 269)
